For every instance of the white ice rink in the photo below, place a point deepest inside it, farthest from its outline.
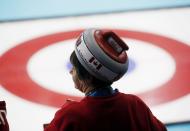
(48, 67)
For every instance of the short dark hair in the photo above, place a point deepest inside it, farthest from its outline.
(83, 74)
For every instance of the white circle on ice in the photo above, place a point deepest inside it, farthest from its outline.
(153, 67)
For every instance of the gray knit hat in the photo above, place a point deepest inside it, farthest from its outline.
(103, 54)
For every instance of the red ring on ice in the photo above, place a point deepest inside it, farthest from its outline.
(14, 76)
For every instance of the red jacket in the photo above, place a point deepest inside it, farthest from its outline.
(4, 126)
(119, 112)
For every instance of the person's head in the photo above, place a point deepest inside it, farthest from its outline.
(82, 77)
(99, 59)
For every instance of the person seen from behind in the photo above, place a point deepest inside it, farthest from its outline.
(99, 59)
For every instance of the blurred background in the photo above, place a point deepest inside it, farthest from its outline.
(37, 38)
